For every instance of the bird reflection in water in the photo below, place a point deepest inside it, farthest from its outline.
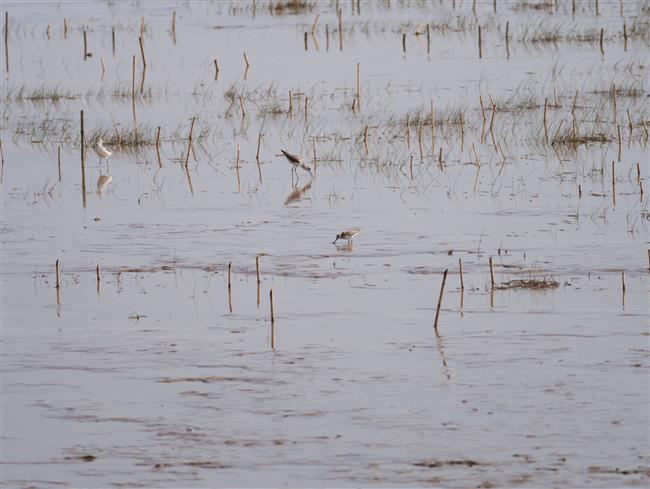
(298, 193)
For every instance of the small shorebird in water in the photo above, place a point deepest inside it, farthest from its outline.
(349, 235)
(101, 151)
(296, 161)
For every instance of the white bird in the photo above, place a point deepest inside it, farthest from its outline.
(349, 235)
(100, 150)
(296, 161)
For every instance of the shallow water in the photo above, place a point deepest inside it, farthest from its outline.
(157, 376)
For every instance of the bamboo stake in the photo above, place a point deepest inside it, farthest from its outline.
(272, 320)
(442, 290)
(460, 269)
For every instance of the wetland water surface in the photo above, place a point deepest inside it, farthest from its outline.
(150, 364)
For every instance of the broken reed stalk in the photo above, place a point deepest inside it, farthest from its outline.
(98, 277)
(404, 42)
(440, 158)
(638, 172)
(327, 37)
(258, 268)
(433, 130)
(613, 184)
(411, 166)
(359, 86)
(623, 281)
(442, 290)
(579, 191)
(229, 276)
(420, 141)
(144, 60)
(189, 142)
(478, 160)
(624, 37)
(58, 160)
(85, 45)
(237, 169)
(480, 47)
(113, 40)
(306, 41)
(241, 105)
(480, 99)
(83, 159)
(216, 69)
(314, 26)
(428, 39)
(315, 159)
(365, 139)
(133, 86)
(629, 121)
(58, 282)
(462, 131)
(7, 41)
(259, 142)
(507, 39)
(158, 147)
(648, 259)
(2, 162)
(545, 125)
(272, 320)
(65, 28)
(618, 132)
(306, 105)
(340, 30)
(290, 104)
(408, 131)
(602, 34)
(491, 273)
(460, 270)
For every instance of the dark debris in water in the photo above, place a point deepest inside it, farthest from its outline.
(594, 469)
(430, 463)
(529, 284)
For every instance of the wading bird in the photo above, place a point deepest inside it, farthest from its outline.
(349, 235)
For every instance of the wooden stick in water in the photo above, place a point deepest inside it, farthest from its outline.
(158, 147)
(442, 290)
(83, 160)
(460, 270)
(144, 60)
(189, 142)
(491, 273)
(58, 160)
